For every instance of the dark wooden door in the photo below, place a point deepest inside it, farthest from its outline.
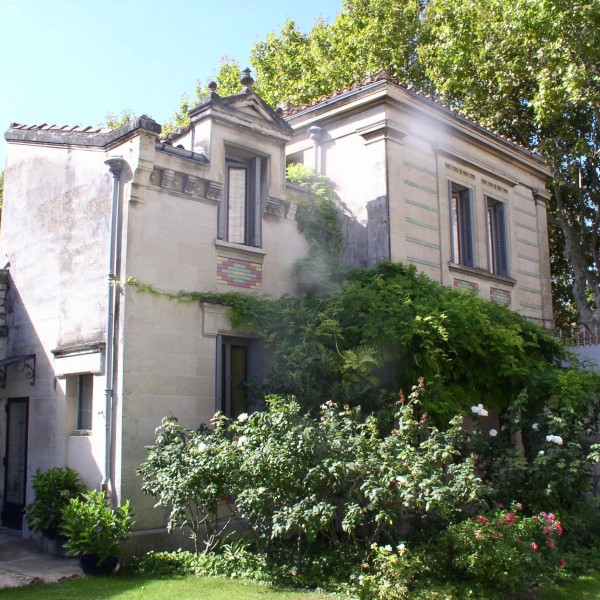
(15, 462)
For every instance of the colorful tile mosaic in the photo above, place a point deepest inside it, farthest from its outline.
(500, 296)
(239, 273)
(465, 285)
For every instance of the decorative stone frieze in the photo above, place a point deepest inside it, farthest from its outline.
(191, 186)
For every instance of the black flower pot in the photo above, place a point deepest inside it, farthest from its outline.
(89, 564)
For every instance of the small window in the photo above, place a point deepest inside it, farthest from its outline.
(85, 403)
(240, 212)
(497, 247)
(461, 225)
(238, 375)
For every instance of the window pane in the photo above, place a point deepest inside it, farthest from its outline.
(491, 238)
(239, 379)
(461, 226)
(236, 222)
(496, 237)
(455, 228)
(86, 386)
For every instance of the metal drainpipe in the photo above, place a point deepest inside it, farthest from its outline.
(115, 165)
(316, 134)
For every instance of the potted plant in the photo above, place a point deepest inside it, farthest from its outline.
(52, 491)
(93, 530)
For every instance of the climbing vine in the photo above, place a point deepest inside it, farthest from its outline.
(245, 310)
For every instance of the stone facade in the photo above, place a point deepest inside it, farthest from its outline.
(398, 159)
(210, 211)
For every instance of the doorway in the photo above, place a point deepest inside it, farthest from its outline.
(15, 462)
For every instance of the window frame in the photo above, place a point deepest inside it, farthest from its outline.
(254, 360)
(255, 168)
(462, 228)
(85, 405)
(496, 237)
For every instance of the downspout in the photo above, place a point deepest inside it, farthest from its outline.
(115, 165)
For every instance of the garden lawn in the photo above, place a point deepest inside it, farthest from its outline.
(148, 588)
(585, 588)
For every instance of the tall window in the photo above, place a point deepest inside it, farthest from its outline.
(240, 211)
(85, 402)
(461, 225)
(239, 362)
(497, 247)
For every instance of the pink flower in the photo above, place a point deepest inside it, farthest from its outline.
(534, 546)
(482, 519)
(559, 528)
(500, 505)
(551, 544)
(563, 562)
(510, 518)
(519, 506)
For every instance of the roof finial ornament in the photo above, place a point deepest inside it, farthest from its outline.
(212, 86)
(382, 74)
(246, 81)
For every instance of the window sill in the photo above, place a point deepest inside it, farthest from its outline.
(81, 432)
(482, 273)
(232, 250)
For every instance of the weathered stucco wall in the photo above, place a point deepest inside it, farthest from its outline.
(54, 234)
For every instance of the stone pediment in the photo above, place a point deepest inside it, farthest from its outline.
(244, 106)
(254, 107)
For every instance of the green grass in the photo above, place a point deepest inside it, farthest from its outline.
(214, 588)
(148, 588)
(585, 588)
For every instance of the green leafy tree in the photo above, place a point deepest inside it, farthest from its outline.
(367, 36)
(114, 121)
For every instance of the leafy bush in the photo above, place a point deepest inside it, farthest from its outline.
(333, 480)
(505, 550)
(543, 453)
(385, 327)
(52, 491)
(191, 473)
(390, 573)
(231, 562)
(91, 526)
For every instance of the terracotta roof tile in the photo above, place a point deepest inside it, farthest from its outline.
(66, 128)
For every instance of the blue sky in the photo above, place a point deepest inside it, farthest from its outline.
(69, 62)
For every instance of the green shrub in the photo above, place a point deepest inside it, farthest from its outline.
(91, 526)
(297, 480)
(52, 491)
(390, 573)
(505, 550)
(192, 473)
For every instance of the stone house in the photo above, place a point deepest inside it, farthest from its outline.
(89, 366)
